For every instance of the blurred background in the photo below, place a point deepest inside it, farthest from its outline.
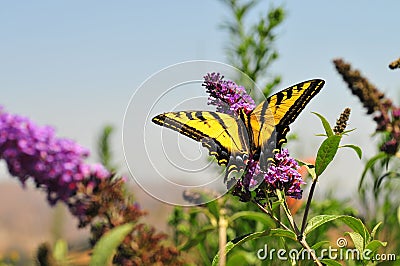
(75, 64)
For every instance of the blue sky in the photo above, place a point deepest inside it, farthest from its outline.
(75, 64)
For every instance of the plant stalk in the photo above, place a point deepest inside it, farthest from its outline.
(289, 216)
(223, 224)
(305, 245)
(310, 196)
(271, 215)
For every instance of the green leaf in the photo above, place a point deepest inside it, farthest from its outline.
(375, 244)
(398, 214)
(348, 131)
(379, 180)
(60, 251)
(212, 206)
(276, 204)
(319, 244)
(104, 149)
(310, 168)
(370, 163)
(317, 221)
(108, 243)
(325, 124)
(252, 215)
(312, 172)
(326, 153)
(238, 241)
(353, 223)
(355, 148)
(331, 262)
(283, 233)
(373, 232)
(357, 225)
(211, 217)
(199, 237)
(241, 257)
(357, 240)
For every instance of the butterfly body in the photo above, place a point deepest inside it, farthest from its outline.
(234, 139)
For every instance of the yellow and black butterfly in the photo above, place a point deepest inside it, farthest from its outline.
(235, 139)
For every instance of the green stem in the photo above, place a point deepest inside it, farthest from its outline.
(290, 217)
(203, 254)
(271, 215)
(305, 216)
(277, 214)
(281, 196)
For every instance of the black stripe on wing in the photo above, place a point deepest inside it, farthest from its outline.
(236, 161)
(305, 96)
(299, 104)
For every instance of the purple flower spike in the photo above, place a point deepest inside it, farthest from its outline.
(284, 175)
(226, 95)
(250, 180)
(396, 113)
(55, 164)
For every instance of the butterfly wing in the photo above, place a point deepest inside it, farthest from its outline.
(271, 119)
(225, 136)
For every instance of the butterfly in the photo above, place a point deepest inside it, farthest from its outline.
(234, 139)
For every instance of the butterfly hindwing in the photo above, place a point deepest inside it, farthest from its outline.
(223, 135)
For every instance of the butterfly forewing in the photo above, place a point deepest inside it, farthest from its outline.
(274, 115)
(287, 104)
(223, 135)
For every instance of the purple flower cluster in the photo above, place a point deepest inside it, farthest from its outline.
(396, 113)
(283, 174)
(253, 175)
(55, 164)
(226, 95)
